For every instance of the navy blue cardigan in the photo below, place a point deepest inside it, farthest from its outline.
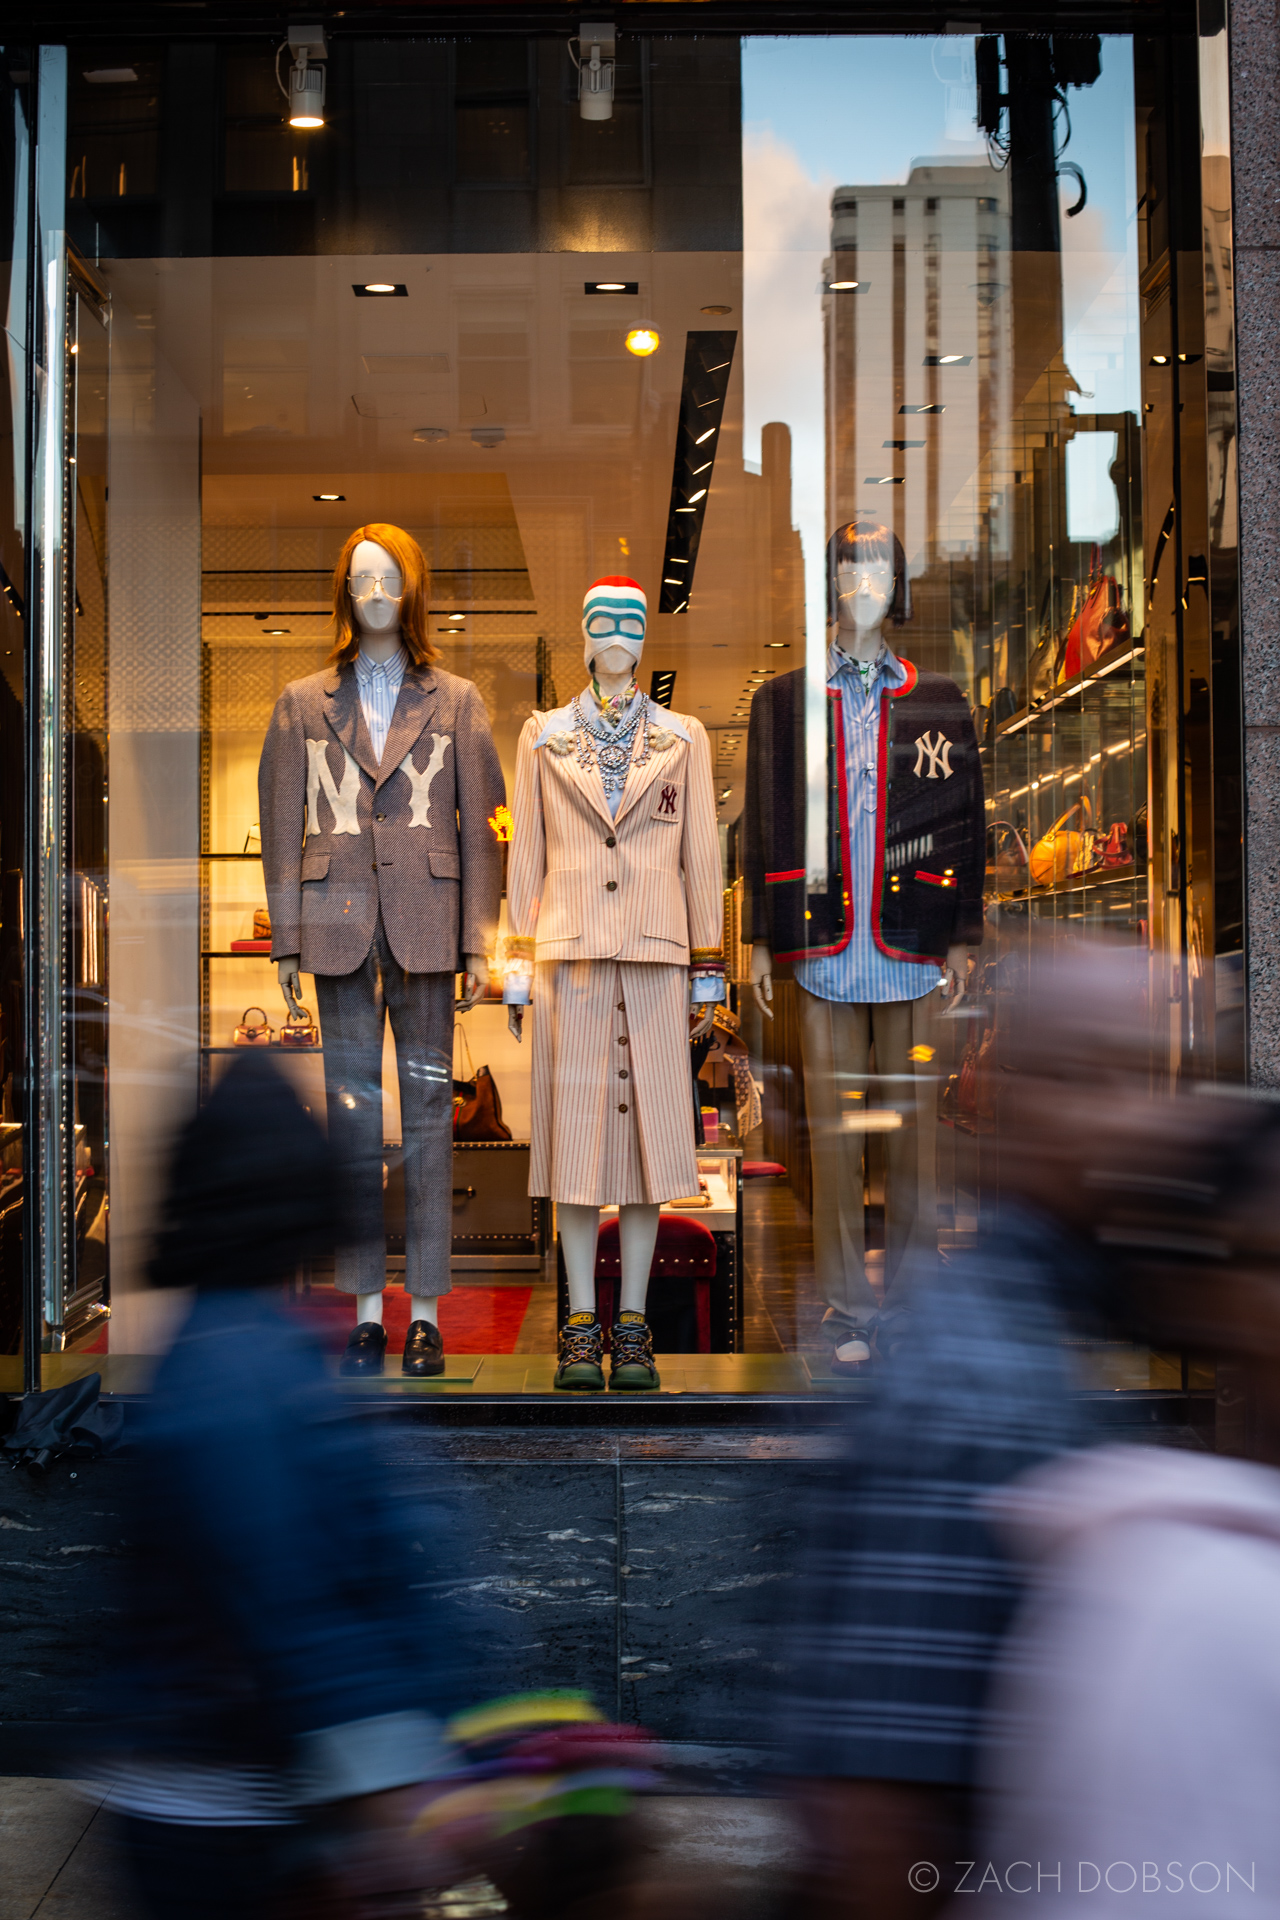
(927, 892)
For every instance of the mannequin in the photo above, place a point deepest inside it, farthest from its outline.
(614, 871)
(413, 814)
(888, 945)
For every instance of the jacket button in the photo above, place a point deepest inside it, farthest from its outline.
(622, 1039)
(623, 1074)
(611, 886)
(622, 1109)
(374, 865)
(379, 816)
(611, 841)
(622, 1006)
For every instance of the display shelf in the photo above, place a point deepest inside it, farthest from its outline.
(272, 1046)
(231, 856)
(1078, 883)
(1102, 668)
(225, 953)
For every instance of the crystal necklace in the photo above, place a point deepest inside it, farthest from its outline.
(612, 753)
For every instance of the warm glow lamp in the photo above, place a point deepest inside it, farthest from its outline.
(642, 341)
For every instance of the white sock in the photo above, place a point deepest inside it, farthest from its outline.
(369, 1307)
(423, 1307)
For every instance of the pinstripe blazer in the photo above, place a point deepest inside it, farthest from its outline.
(646, 886)
(344, 834)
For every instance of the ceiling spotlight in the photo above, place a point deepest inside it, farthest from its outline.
(841, 286)
(947, 359)
(642, 341)
(777, 643)
(715, 309)
(275, 630)
(305, 91)
(328, 496)
(457, 616)
(380, 290)
(705, 436)
(1159, 359)
(597, 48)
(611, 286)
(701, 494)
(430, 436)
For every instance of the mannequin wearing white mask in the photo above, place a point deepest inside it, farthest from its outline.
(390, 763)
(614, 888)
(874, 969)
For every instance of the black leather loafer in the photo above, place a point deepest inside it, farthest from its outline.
(423, 1350)
(366, 1349)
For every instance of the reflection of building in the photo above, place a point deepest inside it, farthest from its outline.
(917, 349)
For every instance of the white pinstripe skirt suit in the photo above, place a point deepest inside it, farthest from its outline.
(610, 910)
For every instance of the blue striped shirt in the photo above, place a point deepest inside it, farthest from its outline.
(860, 972)
(380, 682)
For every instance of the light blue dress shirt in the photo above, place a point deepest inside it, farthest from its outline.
(860, 972)
(380, 682)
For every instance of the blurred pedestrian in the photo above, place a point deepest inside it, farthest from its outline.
(907, 1591)
(1134, 1747)
(281, 1673)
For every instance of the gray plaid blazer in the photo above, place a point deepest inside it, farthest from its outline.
(344, 835)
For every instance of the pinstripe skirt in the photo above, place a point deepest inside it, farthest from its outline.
(612, 1083)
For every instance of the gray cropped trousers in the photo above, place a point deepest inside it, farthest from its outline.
(353, 1012)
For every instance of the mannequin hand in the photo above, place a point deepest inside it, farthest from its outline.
(290, 979)
(474, 980)
(762, 978)
(703, 1015)
(955, 974)
(515, 1020)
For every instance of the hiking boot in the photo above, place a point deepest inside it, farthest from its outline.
(581, 1351)
(631, 1363)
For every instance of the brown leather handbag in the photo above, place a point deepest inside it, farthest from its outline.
(261, 924)
(299, 1030)
(250, 1033)
(477, 1104)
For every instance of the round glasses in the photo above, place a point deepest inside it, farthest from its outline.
(602, 624)
(362, 585)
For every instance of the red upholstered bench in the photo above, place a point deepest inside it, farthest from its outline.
(762, 1169)
(686, 1252)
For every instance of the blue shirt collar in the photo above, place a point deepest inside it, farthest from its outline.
(888, 670)
(392, 670)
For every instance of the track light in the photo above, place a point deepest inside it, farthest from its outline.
(305, 91)
(597, 48)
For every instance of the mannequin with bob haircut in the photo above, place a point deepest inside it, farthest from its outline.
(866, 540)
(416, 576)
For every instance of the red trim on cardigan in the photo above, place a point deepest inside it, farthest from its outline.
(822, 953)
(882, 800)
(792, 873)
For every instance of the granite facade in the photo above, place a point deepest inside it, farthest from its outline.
(1255, 164)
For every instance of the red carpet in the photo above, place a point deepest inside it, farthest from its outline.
(472, 1319)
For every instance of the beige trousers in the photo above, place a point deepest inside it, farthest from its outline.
(836, 1041)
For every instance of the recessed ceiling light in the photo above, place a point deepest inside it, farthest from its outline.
(929, 409)
(777, 643)
(715, 309)
(380, 290)
(1159, 359)
(947, 359)
(457, 616)
(328, 496)
(275, 629)
(705, 436)
(882, 480)
(841, 286)
(612, 286)
(701, 494)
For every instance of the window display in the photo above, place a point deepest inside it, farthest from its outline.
(679, 600)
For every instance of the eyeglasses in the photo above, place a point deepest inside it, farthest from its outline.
(602, 624)
(361, 585)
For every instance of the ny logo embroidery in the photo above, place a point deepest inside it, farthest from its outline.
(342, 798)
(420, 799)
(667, 801)
(938, 749)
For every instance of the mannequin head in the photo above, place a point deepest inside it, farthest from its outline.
(867, 582)
(614, 616)
(381, 586)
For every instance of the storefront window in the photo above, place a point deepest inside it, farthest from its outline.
(913, 426)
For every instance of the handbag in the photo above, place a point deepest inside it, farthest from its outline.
(261, 924)
(1100, 623)
(477, 1111)
(1116, 851)
(250, 1034)
(1045, 664)
(299, 1030)
(1065, 849)
(1006, 858)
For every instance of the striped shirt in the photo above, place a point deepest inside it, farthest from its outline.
(380, 682)
(860, 972)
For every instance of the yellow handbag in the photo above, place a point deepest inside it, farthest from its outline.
(1065, 849)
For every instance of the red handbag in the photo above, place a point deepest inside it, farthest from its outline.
(1101, 623)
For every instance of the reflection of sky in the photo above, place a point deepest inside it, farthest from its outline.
(825, 112)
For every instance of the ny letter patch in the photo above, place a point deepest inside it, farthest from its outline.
(420, 799)
(666, 801)
(937, 748)
(342, 798)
